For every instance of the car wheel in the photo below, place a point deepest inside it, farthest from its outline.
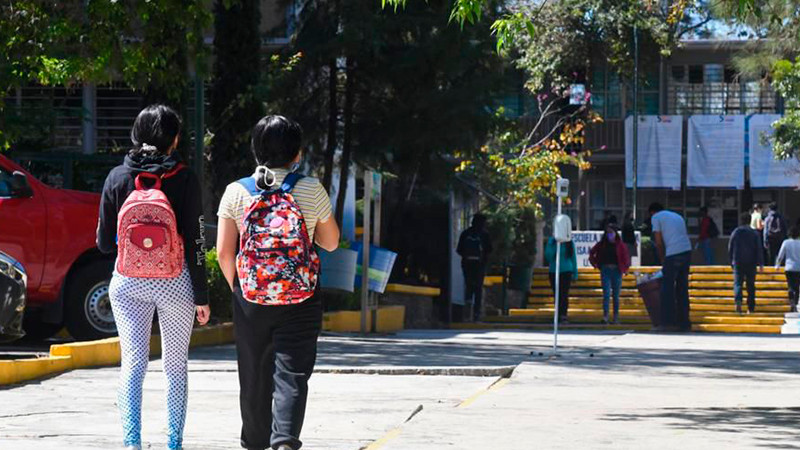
(87, 305)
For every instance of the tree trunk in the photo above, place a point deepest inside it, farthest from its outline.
(344, 171)
(333, 121)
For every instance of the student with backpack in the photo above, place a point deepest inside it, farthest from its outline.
(474, 247)
(746, 258)
(151, 215)
(274, 216)
(708, 231)
(774, 232)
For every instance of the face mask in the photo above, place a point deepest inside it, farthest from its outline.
(611, 236)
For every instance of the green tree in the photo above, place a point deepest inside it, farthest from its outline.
(147, 45)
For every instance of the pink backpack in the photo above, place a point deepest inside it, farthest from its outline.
(277, 263)
(148, 242)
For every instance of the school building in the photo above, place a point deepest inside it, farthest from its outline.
(698, 79)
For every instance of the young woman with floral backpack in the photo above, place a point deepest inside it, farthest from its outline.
(151, 216)
(275, 216)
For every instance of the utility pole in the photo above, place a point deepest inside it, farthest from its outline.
(635, 119)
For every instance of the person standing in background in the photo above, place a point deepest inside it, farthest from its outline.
(774, 232)
(474, 247)
(610, 255)
(745, 255)
(675, 250)
(756, 218)
(708, 231)
(568, 272)
(790, 253)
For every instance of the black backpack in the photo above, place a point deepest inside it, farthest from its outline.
(776, 228)
(713, 230)
(472, 245)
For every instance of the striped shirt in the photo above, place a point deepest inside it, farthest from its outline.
(309, 194)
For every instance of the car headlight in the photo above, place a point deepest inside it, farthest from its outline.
(13, 269)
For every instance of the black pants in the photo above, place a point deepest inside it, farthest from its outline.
(564, 281)
(474, 272)
(675, 291)
(745, 274)
(793, 280)
(276, 348)
(773, 248)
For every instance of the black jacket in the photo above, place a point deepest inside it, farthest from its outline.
(185, 195)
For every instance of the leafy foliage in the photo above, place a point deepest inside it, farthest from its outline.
(145, 44)
(786, 136)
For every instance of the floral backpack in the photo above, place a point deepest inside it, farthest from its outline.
(277, 263)
(148, 242)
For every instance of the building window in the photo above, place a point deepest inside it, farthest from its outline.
(715, 89)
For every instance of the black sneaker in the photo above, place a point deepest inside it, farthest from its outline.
(738, 308)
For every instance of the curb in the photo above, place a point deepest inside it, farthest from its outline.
(103, 352)
(502, 371)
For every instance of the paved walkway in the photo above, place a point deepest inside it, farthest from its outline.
(605, 390)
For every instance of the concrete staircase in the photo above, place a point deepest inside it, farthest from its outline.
(710, 292)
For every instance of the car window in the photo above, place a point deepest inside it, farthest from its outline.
(6, 183)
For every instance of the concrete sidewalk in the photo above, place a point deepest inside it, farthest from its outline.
(606, 390)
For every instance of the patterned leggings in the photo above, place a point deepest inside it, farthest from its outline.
(133, 301)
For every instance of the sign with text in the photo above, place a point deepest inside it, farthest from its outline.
(585, 240)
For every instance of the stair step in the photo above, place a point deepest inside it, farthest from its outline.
(547, 317)
(725, 293)
(724, 301)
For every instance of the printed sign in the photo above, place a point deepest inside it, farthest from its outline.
(585, 240)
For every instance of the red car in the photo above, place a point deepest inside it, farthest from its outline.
(51, 232)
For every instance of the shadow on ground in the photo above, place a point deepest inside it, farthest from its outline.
(722, 364)
(775, 428)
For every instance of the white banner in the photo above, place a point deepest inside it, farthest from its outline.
(765, 170)
(659, 152)
(715, 151)
(585, 240)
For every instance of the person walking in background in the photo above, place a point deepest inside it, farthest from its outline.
(708, 231)
(745, 255)
(675, 250)
(610, 255)
(474, 247)
(274, 217)
(790, 254)
(151, 215)
(756, 218)
(568, 272)
(774, 232)
(629, 235)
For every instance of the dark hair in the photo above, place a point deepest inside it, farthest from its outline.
(478, 220)
(275, 141)
(773, 206)
(756, 206)
(704, 209)
(655, 207)
(794, 232)
(157, 126)
(745, 218)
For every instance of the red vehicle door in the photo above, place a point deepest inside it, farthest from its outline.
(23, 224)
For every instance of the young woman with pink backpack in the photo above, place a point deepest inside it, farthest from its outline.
(151, 215)
(275, 216)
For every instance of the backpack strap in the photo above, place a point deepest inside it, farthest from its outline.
(290, 181)
(178, 167)
(249, 183)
